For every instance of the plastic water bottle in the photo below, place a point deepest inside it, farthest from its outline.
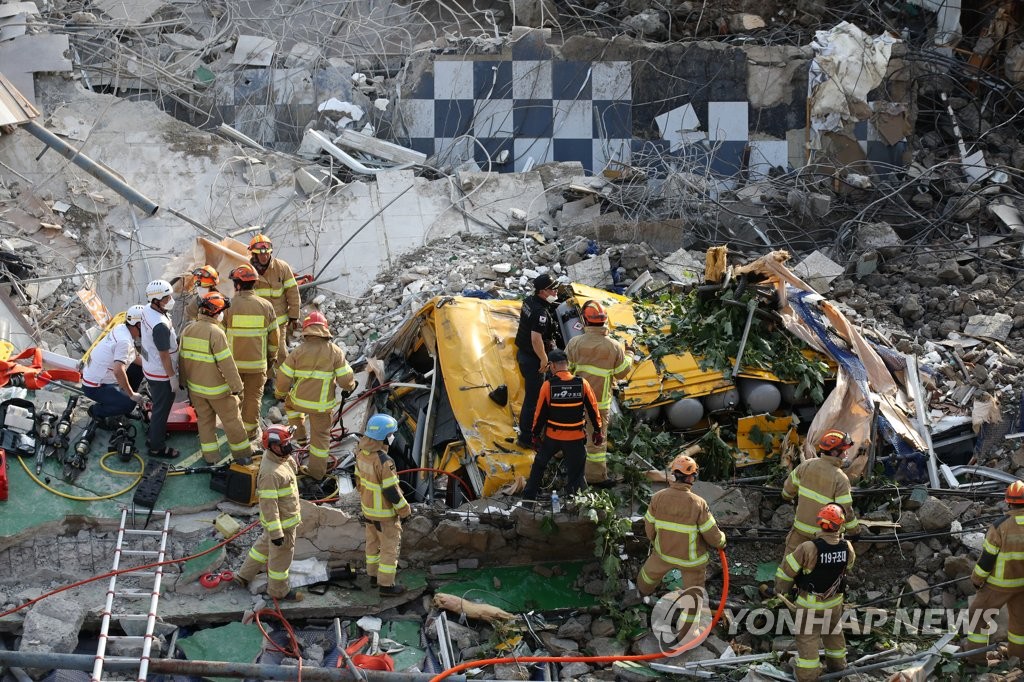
(556, 504)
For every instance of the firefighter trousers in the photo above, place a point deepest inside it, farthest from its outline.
(252, 398)
(383, 544)
(596, 470)
(208, 410)
(655, 568)
(794, 540)
(987, 598)
(282, 343)
(818, 629)
(276, 560)
(319, 438)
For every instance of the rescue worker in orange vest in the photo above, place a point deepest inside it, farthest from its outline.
(280, 516)
(681, 528)
(600, 360)
(816, 572)
(817, 482)
(999, 577)
(206, 280)
(382, 503)
(276, 283)
(308, 377)
(564, 404)
(251, 327)
(207, 369)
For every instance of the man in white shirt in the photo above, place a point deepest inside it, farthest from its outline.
(159, 364)
(105, 377)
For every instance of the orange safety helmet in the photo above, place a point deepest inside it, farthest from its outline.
(261, 244)
(831, 517)
(206, 276)
(243, 273)
(594, 314)
(1015, 493)
(213, 303)
(276, 434)
(834, 443)
(684, 465)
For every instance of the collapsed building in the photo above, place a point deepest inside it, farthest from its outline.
(420, 164)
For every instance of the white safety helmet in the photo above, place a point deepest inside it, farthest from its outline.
(158, 289)
(134, 314)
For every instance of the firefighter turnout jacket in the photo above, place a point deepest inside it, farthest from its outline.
(309, 374)
(380, 496)
(815, 483)
(599, 359)
(680, 526)
(278, 493)
(1001, 566)
(206, 366)
(817, 570)
(251, 327)
(564, 404)
(277, 285)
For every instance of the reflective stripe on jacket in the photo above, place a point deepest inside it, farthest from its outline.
(310, 372)
(277, 285)
(206, 365)
(375, 472)
(815, 483)
(681, 527)
(251, 327)
(278, 493)
(1002, 554)
(598, 358)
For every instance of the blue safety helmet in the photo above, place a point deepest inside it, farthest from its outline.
(381, 426)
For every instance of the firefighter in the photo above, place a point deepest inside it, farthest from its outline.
(206, 280)
(600, 360)
(820, 481)
(816, 571)
(308, 377)
(112, 376)
(999, 577)
(382, 502)
(251, 327)
(276, 283)
(159, 364)
(534, 338)
(559, 425)
(209, 373)
(280, 516)
(680, 526)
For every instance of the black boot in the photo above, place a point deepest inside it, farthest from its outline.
(392, 590)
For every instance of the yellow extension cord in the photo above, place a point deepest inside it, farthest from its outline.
(78, 498)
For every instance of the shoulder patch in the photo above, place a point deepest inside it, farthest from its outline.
(542, 319)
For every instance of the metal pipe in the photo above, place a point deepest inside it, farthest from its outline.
(148, 206)
(173, 666)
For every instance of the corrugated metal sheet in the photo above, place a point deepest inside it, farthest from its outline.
(14, 108)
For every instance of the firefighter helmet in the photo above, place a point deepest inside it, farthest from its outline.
(594, 314)
(1015, 493)
(315, 324)
(380, 426)
(213, 303)
(831, 517)
(261, 244)
(158, 289)
(834, 443)
(206, 276)
(276, 434)
(243, 273)
(684, 465)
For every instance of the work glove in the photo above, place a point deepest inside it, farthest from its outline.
(138, 398)
(293, 326)
(346, 394)
(175, 385)
(598, 438)
(277, 542)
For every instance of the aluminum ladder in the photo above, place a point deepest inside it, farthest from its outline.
(138, 544)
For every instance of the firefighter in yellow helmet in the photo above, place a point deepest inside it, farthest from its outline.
(207, 369)
(206, 279)
(820, 481)
(816, 572)
(681, 528)
(600, 360)
(276, 283)
(308, 377)
(999, 577)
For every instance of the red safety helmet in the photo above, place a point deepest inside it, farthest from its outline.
(684, 465)
(213, 303)
(834, 443)
(276, 434)
(1015, 493)
(206, 276)
(261, 244)
(243, 273)
(315, 324)
(831, 517)
(594, 314)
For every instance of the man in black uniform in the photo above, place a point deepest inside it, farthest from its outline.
(534, 338)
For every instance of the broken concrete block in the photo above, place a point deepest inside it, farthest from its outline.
(579, 212)
(595, 272)
(916, 583)
(992, 326)
(935, 515)
(511, 671)
(818, 270)
(444, 569)
(877, 237)
(682, 266)
(573, 671)
(731, 509)
(52, 626)
(469, 564)
(738, 23)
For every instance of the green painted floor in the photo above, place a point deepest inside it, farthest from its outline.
(522, 588)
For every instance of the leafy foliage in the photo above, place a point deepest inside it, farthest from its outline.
(718, 459)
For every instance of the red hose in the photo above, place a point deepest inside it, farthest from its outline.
(604, 659)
